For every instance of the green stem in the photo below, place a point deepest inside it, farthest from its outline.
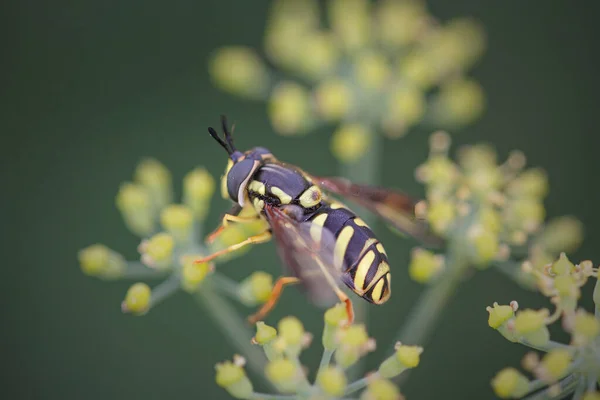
(226, 285)
(358, 385)
(137, 270)
(264, 396)
(325, 360)
(234, 327)
(551, 345)
(566, 387)
(165, 289)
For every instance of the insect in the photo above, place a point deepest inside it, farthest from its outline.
(321, 241)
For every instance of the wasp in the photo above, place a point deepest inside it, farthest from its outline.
(322, 242)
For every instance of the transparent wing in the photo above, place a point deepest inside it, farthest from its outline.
(307, 250)
(394, 207)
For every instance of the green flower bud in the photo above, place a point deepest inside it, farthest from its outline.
(438, 170)
(530, 183)
(406, 357)
(332, 381)
(531, 326)
(554, 364)
(137, 299)
(510, 383)
(320, 55)
(334, 318)
(499, 318)
(424, 265)
(381, 389)
(459, 102)
(485, 246)
(135, 204)
(256, 288)
(156, 178)
(284, 374)
(192, 273)
(232, 378)
(440, 215)
(291, 332)
(178, 219)
(334, 99)
(198, 188)
(568, 291)
(525, 213)
(399, 23)
(98, 260)
(157, 252)
(405, 108)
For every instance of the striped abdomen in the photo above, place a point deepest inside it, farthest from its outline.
(358, 252)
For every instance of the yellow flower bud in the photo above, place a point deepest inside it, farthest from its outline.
(135, 205)
(531, 326)
(440, 215)
(99, 260)
(399, 23)
(554, 364)
(192, 273)
(563, 265)
(234, 233)
(510, 383)
(475, 157)
(334, 318)
(417, 69)
(499, 315)
(289, 108)
(284, 374)
(156, 178)
(350, 21)
(485, 246)
(137, 299)
(405, 108)
(333, 98)
(490, 219)
(406, 357)
(178, 220)
(332, 381)
(353, 343)
(381, 389)
(438, 170)
(459, 102)
(562, 234)
(291, 330)
(525, 213)
(240, 71)
(566, 286)
(232, 378)
(198, 187)
(585, 328)
(256, 289)
(157, 252)
(464, 42)
(424, 265)
(372, 70)
(320, 55)
(350, 142)
(530, 183)
(264, 333)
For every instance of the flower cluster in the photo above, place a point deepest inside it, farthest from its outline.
(170, 235)
(386, 66)
(343, 343)
(488, 213)
(564, 368)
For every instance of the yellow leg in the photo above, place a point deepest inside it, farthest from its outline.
(260, 238)
(227, 218)
(273, 298)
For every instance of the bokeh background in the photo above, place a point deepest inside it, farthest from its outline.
(91, 87)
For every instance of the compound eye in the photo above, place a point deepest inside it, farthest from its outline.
(238, 177)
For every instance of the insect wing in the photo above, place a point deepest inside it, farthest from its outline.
(309, 260)
(396, 208)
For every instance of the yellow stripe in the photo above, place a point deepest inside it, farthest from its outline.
(311, 197)
(360, 222)
(382, 269)
(336, 204)
(283, 196)
(368, 243)
(341, 245)
(258, 187)
(376, 294)
(362, 269)
(381, 249)
(258, 204)
(316, 229)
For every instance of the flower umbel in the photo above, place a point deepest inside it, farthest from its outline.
(389, 65)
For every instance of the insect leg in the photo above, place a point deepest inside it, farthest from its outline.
(231, 216)
(273, 298)
(260, 238)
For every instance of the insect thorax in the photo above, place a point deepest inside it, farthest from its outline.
(282, 185)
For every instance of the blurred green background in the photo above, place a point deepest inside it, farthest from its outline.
(91, 87)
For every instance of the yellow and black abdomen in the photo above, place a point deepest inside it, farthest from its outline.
(358, 252)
